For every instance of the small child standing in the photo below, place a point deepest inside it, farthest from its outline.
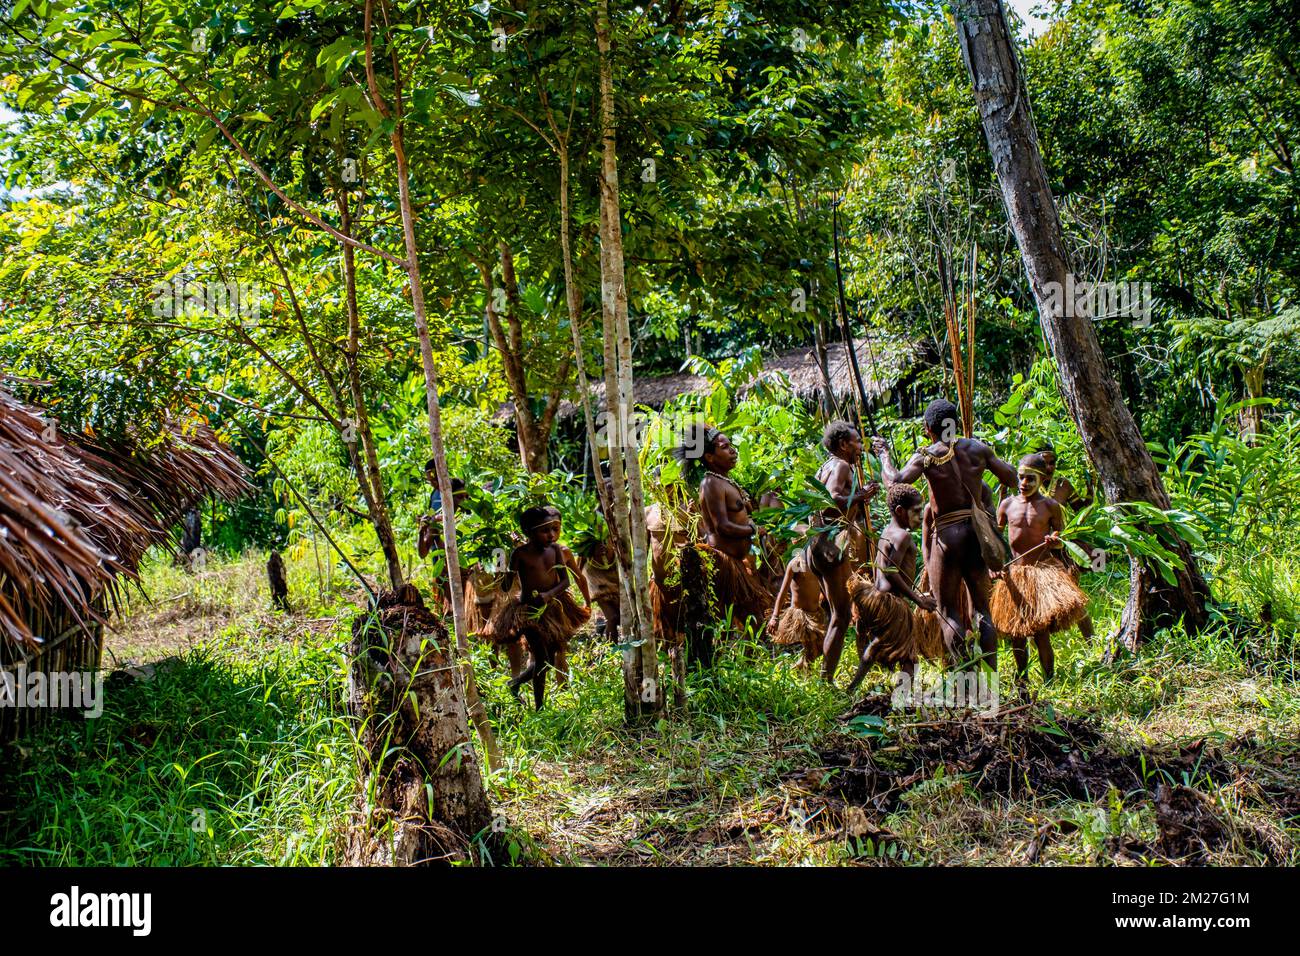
(896, 624)
(543, 613)
(804, 621)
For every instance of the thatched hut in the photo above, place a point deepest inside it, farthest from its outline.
(889, 366)
(76, 517)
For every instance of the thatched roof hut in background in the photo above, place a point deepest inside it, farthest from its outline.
(76, 517)
(888, 364)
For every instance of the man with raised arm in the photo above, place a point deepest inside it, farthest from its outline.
(954, 468)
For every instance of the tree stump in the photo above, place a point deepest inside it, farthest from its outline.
(422, 799)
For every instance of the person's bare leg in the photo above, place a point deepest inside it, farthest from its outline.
(864, 663)
(1046, 656)
(949, 596)
(980, 587)
(1085, 627)
(610, 611)
(836, 587)
(537, 660)
(539, 677)
(515, 657)
(561, 665)
(1020, 651)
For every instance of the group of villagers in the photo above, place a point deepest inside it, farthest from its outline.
(715, 573)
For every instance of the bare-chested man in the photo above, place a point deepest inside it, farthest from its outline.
(954, 468)
(831, 553)
(1034, 597)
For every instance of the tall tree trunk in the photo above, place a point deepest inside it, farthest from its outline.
(412, 266)
(532, 430)
(1105, 424)
(643, 695)
(418, 761)
(369, 474)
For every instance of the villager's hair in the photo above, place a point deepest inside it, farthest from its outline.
(538, 517)
(1036, 461)
(903, 495)
(836, 432)
(939, 411)
(697, 440)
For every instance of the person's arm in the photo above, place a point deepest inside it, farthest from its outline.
(842, 491)
(715, 504)
(1004, 472)
(888, 473)
(424, 544)
(1002, 514)
(572, 564)
(889, 568)
(780, 595)
(1056, 524)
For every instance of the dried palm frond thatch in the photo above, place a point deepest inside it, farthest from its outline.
(76, 516)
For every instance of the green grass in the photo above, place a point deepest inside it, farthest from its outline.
(247, 727)
(220, 759)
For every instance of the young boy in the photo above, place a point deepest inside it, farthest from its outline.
(1071, 500)
(896, 624)
(804, 621)
(543, 613)
(1034, 597)
(836, 555)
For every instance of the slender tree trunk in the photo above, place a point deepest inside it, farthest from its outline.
(412, 266)
(368, 471)
(1105, 424)
(822, 357)
(643, 695)
(573, 297)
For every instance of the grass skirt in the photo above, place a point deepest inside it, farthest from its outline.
(1035, 599)
(732, 584)
(558, 622)
(484, 593)
(798, 626)
(904, 632)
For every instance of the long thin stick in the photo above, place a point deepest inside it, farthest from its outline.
(1025, 554)
(844, 322)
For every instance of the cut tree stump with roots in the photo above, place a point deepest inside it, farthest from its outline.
(422, 799)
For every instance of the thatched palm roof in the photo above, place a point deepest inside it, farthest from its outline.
(76, 515)
(883, 361)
